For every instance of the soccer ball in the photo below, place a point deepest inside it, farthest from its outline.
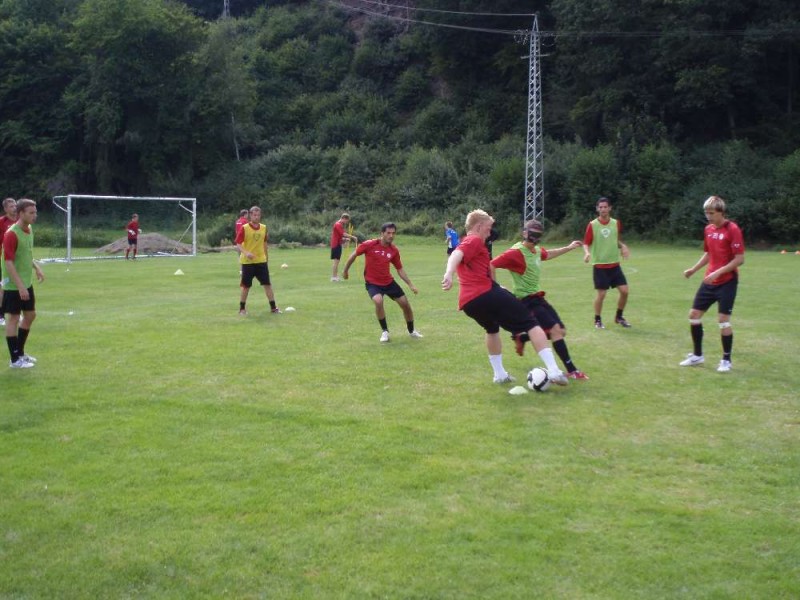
(538, 379)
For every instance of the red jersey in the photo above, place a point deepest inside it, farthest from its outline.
(240, 222)
(5, 223)
(474, 277)
(377, 259)
(337, 234)
(134, 227)
(722, 244)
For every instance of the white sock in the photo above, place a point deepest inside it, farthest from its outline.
(496, 360)
(549, 360)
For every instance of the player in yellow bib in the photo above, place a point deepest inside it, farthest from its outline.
(251, 241)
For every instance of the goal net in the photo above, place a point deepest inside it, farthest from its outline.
(95, 227)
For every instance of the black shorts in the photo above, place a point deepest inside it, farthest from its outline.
(450, 251)
(543, 311)
(608, 278)
(336, 252)
(133, 241)
(499, 308)
(392, 290)
(724, 295)
(14, 305)
(258, 271)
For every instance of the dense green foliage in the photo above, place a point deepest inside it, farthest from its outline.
(308, 106)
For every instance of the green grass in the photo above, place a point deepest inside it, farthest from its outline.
(164, 447)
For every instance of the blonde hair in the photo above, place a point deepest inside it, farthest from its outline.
(476, 217)
(714, 203)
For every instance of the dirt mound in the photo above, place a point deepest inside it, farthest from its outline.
(149, 243)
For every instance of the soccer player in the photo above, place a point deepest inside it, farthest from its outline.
(723, 252)
(602, 245)
(491, 306)
(18, 297)
(243, 218)
(337, 235)
(524, 261)
(133, 236)
(251, 241)
(7, 220)
(451, 236)
(378, 255)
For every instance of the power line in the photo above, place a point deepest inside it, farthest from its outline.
(566, 33)
(447, 12)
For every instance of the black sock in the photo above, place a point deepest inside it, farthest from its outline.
(13, 348)
(727, 346)
(619, 314)
(560, 346)
(410, 326)
(22, 335)
(597, 319)
(383, 324)
(241, 305)
(697, 338)
(272, 304)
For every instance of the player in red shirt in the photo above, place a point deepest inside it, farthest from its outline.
(337, 235)
(7, 220)
(240, 222)
(133, 235)
(379, 254)
(490, 305)
(723, 253)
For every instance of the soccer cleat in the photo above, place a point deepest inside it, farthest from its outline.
(242, 312)
(724, 366)
(28, 358)
(621, 321)
(507, 379)
(415, 334)
(385, 336)
(692, 360)
(20, 363)
(335, 279)
(276, 311)
(2, 321)
(599, 325)
(519, 344)
(577, 375)
(558, 377)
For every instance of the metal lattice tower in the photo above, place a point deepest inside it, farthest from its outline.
(226, 9)
(534, 149)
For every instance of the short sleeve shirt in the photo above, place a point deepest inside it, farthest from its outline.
(378, 258)
(722, 244)
(474, 277)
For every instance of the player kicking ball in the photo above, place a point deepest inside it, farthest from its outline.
(524, 261)
(491, 306)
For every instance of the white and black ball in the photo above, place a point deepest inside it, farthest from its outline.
(538, 380)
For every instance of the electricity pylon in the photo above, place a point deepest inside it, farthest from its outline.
(534, 149)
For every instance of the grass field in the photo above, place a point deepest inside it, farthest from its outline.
(164, 447)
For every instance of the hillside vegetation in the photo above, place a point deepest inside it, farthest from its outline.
(311, 107)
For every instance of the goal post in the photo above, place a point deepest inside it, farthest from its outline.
(68, 204)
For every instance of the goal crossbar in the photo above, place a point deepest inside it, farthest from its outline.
(64, 203)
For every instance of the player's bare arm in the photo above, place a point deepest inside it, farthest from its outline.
(735, 262)
(452, 264)
(699, 265)
(350, 260)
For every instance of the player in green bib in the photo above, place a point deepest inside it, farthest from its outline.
(524, 261)
(18, 271)
(602, 245)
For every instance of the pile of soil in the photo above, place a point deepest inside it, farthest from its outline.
(149, 243)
